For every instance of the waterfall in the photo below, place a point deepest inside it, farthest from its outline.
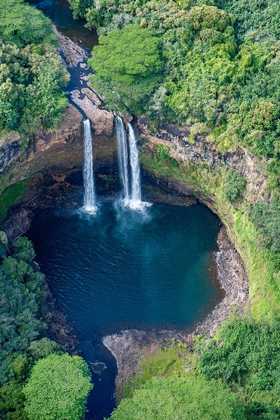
(135, 200)
(89, 193)
(129, 166)
(122, 157)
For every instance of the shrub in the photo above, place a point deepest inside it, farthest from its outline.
(248, 352)
(266, 217)
(235, 184)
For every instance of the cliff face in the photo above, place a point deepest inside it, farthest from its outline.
(62, 149)
(201, 151)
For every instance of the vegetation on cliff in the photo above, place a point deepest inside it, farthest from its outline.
(237, 371)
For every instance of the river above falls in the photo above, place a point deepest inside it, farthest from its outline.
(122, 270)
(61, 15)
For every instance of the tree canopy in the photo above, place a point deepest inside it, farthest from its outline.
(21, 24)
(58, 388)
(180, 399)
(127, 66)
(21, 296)
(254, 15)
(31, 71)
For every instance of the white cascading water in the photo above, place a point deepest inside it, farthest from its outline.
(135, 198)
(129, 166)
(123, 158)
(89, 192)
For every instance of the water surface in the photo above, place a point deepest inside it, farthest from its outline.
(123, 270)
(61, 15)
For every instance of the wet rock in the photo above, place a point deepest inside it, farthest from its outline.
(127, 118)
(9, 149)
(98, 367)
(92, 96)
(233, 279)
(102, 120)
(129, 346)
(19, 222)
(72, 53)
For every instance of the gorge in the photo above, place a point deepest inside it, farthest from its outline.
(150, 278)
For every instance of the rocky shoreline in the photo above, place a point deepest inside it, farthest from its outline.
(233, 280)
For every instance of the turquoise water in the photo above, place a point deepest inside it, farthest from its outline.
(123, 270)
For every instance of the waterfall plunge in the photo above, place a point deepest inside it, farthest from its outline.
(135, 200)
(129, 167)
(89, 193)
(123, 158)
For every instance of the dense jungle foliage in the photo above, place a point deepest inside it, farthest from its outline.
(220, 64)
(31, 72)
(37, 379)
(235, 375)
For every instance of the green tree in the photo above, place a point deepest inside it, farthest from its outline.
(248, 352)
(79, 7)
(31, 79)
(23, 250)
(180, 398)
(254, 15)
(21, 296)
(235, 183)
(21, 24)
(127, 66)
(58, 388)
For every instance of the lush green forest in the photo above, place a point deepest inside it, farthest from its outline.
(219, 64)
(38, 380)
(31, 72)
(212, 64)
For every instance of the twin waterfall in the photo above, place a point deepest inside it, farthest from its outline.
(123, 158)
(89, 191)
(129, 168)
(135, 199)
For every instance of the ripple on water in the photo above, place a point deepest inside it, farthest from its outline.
(120, 270)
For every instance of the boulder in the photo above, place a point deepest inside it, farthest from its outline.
(72, 53)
